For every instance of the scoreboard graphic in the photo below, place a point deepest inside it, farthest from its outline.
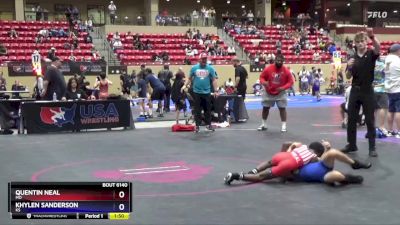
(70, 200)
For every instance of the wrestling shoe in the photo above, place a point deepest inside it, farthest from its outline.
(353, 179)
(228, 178)
(360, 165)
(262, 128)
(348, 149)
(231, 177)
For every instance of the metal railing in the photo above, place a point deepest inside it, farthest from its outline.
(294, 22)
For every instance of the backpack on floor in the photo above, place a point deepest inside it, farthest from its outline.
(182, 128)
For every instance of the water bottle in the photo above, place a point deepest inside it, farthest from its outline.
(54, 96)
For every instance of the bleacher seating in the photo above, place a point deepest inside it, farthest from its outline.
(173, 44)
(21, 48)
(385, 45)
(253, 43)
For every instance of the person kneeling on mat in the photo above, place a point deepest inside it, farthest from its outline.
(282, 165)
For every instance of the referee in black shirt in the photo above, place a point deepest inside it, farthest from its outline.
(361, 67)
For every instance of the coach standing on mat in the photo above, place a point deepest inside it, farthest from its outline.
(276, 79)
(202, 76)
(361, 67)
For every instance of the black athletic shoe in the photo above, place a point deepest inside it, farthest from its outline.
(228, 178)
(372, 152)
(197, 129)
(361, 165)
(353, 179)
(6, 132)
(231, 177)
(349, 148)
(210, 128)
(160, 115)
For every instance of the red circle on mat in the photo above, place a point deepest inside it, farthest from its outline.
(199, 172)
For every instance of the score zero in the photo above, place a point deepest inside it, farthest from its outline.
(111, 185)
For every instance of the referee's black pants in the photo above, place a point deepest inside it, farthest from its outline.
(358, 98)
(202, 102)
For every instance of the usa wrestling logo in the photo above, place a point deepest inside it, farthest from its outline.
(57, 116)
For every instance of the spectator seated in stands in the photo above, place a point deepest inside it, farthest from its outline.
(44, 33)
(297, 49)
(332, 48)
(197, 35)
(53, 32)
(116, 36)
(3, 88)
(211, 50)
(278, 44)
(189, 34)
(187, 61)
(62, 33)
(139, 45)
(316, 56)
(72, 58)
(13, 33)
(190, 51)
(17, 86)
(270, 58)
(156, 58)
(38, 39)
(95, 54)
(231, 50)
(3, 49)
(148, 45)
(164, 56)
(88, 39)
(117, 44)
(322, 46)
(75, 41)
(52, 54)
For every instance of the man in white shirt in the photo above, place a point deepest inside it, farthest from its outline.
(392, 87)
(303, 74)
(195, 18)
(250, 17)
(117, 44)
(112, 9)
(316, 56)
